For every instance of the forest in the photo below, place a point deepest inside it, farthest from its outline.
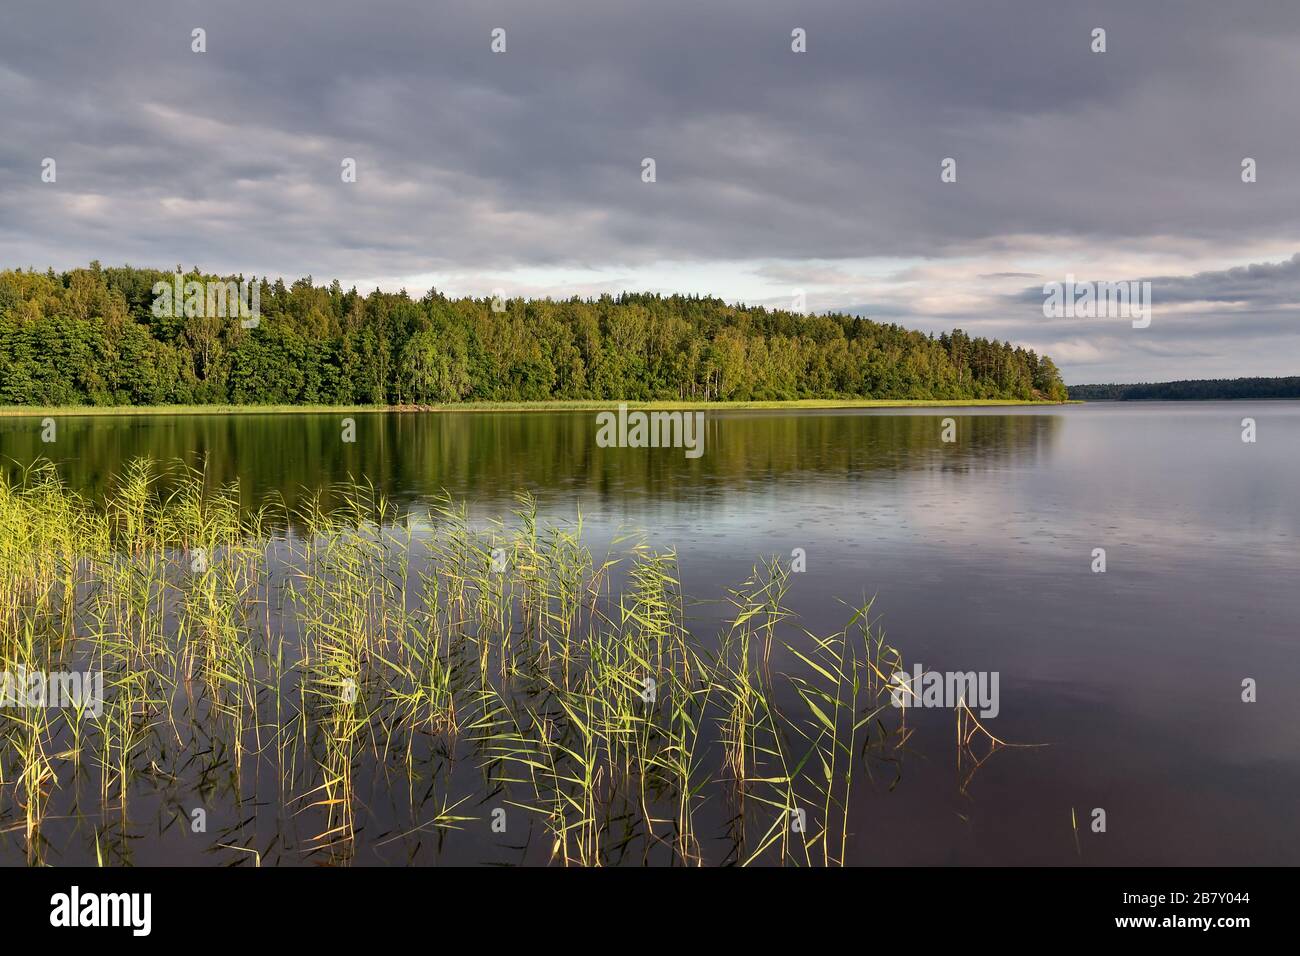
(1190, 390)
(95, 336)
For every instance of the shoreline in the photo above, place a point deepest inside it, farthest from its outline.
(23, 411)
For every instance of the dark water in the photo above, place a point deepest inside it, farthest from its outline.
(978, 554)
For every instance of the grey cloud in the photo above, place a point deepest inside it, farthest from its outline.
(1258, 284)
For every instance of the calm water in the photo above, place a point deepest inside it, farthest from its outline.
(978, 555)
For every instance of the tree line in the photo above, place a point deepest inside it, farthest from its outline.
(1191, 390)
(94, 336)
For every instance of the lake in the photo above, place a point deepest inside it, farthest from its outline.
(979, 554)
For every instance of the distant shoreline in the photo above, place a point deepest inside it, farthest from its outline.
(23, 411)
(1184, 399)
(1255, 388)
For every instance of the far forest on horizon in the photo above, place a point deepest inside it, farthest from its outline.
(95, 336)
(1208, 389)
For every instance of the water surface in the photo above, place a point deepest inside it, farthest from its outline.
(978, 554)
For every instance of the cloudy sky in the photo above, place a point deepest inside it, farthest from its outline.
(776, 171)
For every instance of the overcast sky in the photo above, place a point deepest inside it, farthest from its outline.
(775, 171)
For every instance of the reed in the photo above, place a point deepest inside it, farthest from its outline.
(347, 652)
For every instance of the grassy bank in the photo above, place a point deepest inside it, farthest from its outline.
(12, 411)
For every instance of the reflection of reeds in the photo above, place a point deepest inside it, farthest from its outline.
(385, 651)
(969, 761)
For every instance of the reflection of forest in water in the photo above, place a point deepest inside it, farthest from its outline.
(488, 457)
